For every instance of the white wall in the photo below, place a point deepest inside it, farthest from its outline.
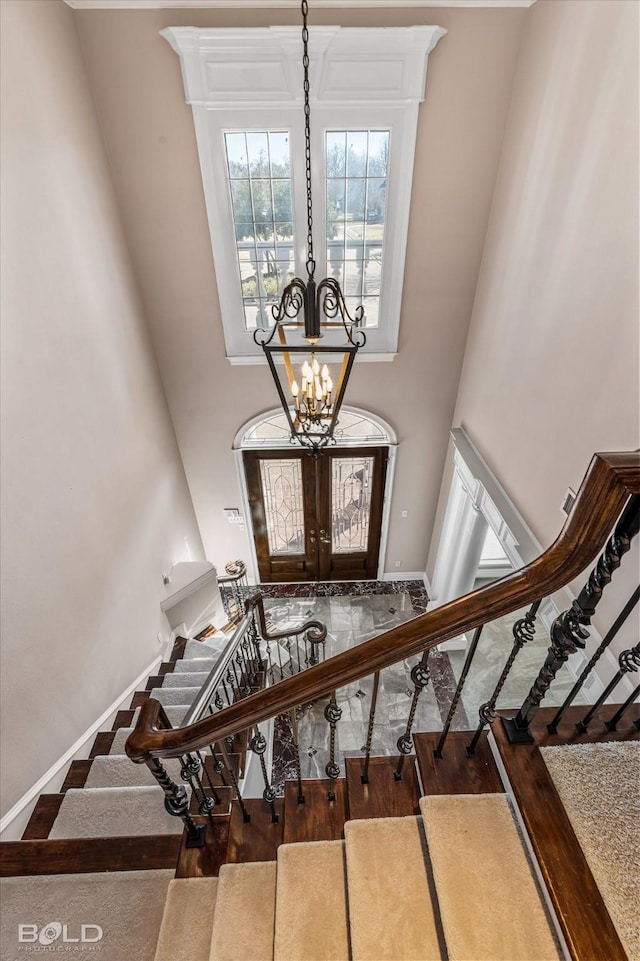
(551, 365)
(94, 500)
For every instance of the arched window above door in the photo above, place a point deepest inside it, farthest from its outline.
(356, 428)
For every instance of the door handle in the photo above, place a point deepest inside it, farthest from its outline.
(325, 540)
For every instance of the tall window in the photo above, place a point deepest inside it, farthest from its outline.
(245, 87)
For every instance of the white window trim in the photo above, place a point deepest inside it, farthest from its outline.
(361, 78)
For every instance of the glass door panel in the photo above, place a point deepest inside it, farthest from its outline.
(283, 505)
(351, 479)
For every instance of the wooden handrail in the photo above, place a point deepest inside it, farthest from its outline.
(607, 485)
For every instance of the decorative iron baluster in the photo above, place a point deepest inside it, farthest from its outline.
(613, 723)
(258, 745)
(190, 772)
(246, 817)
(627, 662)
(226, 692)
(176, 803)
(364, 777)
(332, 714)
(606, 641)
(567, 631)
(524, 630)
(255, 640)
(207, 777)
(458, 692)
(420, 675)
(296, 752)
(218, 766)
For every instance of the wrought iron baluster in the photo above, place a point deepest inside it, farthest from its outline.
(258, 745)
(606, 641)
(218, 766)
(364, 777)
(627, 662)
(297, 646)
(612, 724)
(176, 803)
(420, 675)
(524, 630)
(296, 752)
(226, 692)
(207, 777)
(568, 632)
(332, 714)
(246, 817)
(458, 692)
(190, 772)
(255, 640)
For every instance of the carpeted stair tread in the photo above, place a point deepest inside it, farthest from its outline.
(243, 920)
(189, 665)
(113, 812)
(184, 679)
(127, 905)
(311, 903)
(211, 647)
(187, 922)
(174, 712)
(119, 741)
(387, 879)
(489, 902)
(116, 770)
(172, 696)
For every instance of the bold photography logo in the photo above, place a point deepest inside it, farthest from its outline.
(55, 931)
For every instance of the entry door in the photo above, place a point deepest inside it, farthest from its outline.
(316, 517)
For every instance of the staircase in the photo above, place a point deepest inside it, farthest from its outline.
(421, 855)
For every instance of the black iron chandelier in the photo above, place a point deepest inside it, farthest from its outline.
(306, 313)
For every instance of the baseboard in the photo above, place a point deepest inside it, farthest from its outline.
(51, 780)
(406, 576)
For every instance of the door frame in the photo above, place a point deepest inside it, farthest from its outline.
(389, 441)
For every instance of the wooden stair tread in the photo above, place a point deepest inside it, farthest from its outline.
(455, 772)
(205, 862)
(318, 819)
(42, 817)
(87, 855)
(577, 901)
(77, 774)
(259, 839)
(383, 796)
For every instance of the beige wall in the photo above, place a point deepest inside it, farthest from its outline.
(137, 86)
(95, 504)
(551, 365)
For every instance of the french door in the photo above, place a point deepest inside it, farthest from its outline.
(316, 517)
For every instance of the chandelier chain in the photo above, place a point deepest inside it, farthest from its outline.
(311, 264)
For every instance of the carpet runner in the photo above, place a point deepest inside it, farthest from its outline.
(425, 888)
(605, 815)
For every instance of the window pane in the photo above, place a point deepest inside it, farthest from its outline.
(357, 170)
(350, 503)
(258, 164)
(284, 514)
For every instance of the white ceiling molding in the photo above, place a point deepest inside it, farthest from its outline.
(282, 4)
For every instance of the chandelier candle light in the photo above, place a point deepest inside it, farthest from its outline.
(311, 404)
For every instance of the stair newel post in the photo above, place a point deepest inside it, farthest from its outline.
(316, 636)
(458, 692)
(612, 724)
(628, 661)
(523, 631)
(420, 675)
(332, 714)
(246, 817)
(190, 773)
(296, 752)
(176, 803)
(364, 777)
(258, 745)
(568, 633)
(552, 727)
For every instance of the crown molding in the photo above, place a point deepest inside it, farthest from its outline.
(281, 4)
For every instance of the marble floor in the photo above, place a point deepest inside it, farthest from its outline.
(355, 617)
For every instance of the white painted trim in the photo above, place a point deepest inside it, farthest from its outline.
(387, 496)
(76, 748)
(406, 576)
(282, 4)
(283, 444)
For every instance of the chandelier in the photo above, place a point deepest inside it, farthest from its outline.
(309, 312)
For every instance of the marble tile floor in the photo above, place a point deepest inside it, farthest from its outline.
(352, 619)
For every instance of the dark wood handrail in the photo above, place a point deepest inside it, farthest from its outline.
(607, 485)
